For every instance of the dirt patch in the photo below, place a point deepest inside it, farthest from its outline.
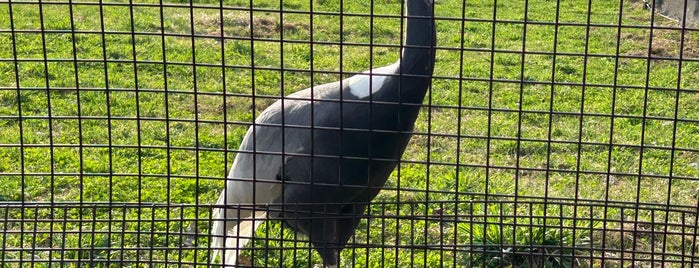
(238, 24)
(643, 237)
(666, 44)
(638, 4)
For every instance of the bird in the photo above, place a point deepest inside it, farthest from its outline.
(315, 159)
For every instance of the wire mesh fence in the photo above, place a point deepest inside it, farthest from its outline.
(553, 134)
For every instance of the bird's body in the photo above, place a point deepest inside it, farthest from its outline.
(325, 152)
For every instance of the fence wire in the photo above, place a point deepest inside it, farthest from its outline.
(554, 134)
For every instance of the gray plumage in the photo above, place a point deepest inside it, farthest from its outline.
(329, 152)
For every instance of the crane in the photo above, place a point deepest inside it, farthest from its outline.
(328, 150)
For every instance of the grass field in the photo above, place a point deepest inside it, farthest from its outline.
(549, 122)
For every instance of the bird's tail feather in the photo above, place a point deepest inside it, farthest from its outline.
(232, 230)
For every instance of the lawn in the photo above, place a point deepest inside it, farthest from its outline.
(540, 113)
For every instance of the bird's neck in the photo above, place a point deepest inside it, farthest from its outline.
(418, 55)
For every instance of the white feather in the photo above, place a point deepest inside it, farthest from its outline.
(359, 84)
(232, 230)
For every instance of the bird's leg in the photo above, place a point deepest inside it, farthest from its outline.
(324, 238)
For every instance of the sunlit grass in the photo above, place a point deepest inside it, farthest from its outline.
(542, 127)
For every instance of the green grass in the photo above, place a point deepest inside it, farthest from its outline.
(123, 133)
